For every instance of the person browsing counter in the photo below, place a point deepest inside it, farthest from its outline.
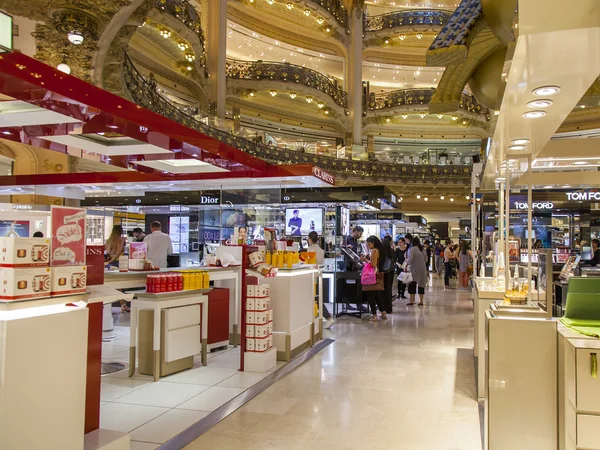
(159, 246)
(138, 235)
(595, 253)
(379, 254)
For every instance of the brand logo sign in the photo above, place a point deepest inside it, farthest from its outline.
(16, 206)
(324, 176)
(209, 200)
(583, 196)
(286, 198)
(536, 205)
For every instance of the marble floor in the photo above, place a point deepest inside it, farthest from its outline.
(406, 383)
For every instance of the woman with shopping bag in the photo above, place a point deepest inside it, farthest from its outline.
(416, 265)
(372, 276)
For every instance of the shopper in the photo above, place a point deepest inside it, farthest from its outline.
(438, 258)
(416, 263)
(427, 248)
(313, 246)
(114, 248)
(448, 257)
(138, 235)
(389, 264)
(465, 264)
(38, 234)
(159, 246)
(375, 259)
(400, 257)
(595, 252)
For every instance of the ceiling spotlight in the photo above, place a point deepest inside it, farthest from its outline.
(182, 46)
(273, 93)
(418, 196)
(387, 120)
(405, 116)
(75, 37)
(309, 99)
(543, 91)
(64, 67)
(439, 116)
(520, 141)
(422, 115)
(165, 33)
(451, 199)
(455, 118)
(517, 147)
(540, 103)
(500, 179)
(468, 198)
(582, 106)
(328, 29)
(580, 163)
(386, 41)
(534, 114)
(425, 198)
(270, 2)
(464, 122)
(497, 112)
(402, 37)
(292, 95)
(252, 94)
(419, 36)
(320, 105)
(190, 57)
(442, 197)
(307, 12)
(289, 5)
(327, 111)
(189, 68)
(320, 21)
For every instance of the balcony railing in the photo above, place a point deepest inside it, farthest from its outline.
(411, 97)
(260, 70)
(336, 9)
(183, 11)
(406, 18)
(144, 93)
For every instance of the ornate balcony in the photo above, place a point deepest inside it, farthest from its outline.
(411, 97)
(336, 9)
(427, 17)
(259, 70)
(144, 93)
(183, 11)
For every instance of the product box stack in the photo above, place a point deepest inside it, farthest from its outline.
(260, 355)
(24, 268)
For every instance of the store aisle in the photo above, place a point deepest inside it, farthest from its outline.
(406, 383)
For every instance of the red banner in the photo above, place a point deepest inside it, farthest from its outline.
(68, 236)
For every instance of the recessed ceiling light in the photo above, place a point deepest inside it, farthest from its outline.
(542, 91)
(441, 197)
(540, 103)
(520, 141)
(517, 147)
(451, 199)
(500, 179)
(425, 199)
(580, 163)
(6, 132)
(534, 114)
(548, 187)
(418, 196)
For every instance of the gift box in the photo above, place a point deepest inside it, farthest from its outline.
(250, 331)
(24, 252)
(250, 317)
(261, 317)
(68, 280)
(261, 345)
(250, 345)
(261, 331)
(23, 284)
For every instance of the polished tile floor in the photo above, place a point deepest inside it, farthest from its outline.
(406, 383)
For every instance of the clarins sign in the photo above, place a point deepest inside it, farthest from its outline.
(324, 176)
(583, 196)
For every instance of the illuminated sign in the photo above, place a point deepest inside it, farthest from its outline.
(536, 205)
(324, 176)
(209, 200)
(578, 196)
(6, 32)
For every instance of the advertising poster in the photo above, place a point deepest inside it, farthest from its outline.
(138, 250)
(301, 221)
(14, 228)
(179, 231)
(68, 236)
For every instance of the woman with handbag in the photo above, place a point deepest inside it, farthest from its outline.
(374, 285)
(418, 271)
(465, 264)
(400, 251)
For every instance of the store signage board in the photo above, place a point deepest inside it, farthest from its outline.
(582, 196)
(6, 32)
(542, 206)
(210, 198)
(323, 176)
(68, 236)
(95, 264)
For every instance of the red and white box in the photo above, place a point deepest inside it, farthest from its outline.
(24, 284)
(24, 252)
(261, 331)
(68, 280)
(250, 317)
(261, 345)
(261, 303)
(270, 324)
(250, 304)
(261, 317)
(250, 330)
(250, 345)
(270, 311)
(258, 290)
(270, 341)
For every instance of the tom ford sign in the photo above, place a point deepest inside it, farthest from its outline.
(583, 196)
(535, 205)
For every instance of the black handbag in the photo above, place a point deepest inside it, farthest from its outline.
(379, 286)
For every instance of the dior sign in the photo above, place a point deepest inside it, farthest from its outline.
(209, 200)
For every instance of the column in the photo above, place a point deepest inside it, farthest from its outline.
(354, 78)
(216, 55)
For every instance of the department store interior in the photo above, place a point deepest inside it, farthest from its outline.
(257, 224)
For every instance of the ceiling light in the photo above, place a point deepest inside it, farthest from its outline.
(182, 46)
(320, 21)
(387, 120)
(418, 196)
(517, 147)
(534, 114)
(189, 68)
(419, 36)
(386, 41)
(468, 198)
(464, 122)
(454, 118)
(273, 93)
(422, 115)
(328, 29)
(251, 94)
(270, 2)
(582, 106)
(442, 197)
(75, 37)
(440, 116)
(402, 37)
(321, 104)
(8, 133)
(327, 111)
(165, 33)
(293, 95)
(540, 103)
(425, 198)
(307, 12)
(497, 112)
(309, 99)
(520, 141)
(543, 91)
(451, 199)
(64, 67)
(289, 5)
(580, 163)
(500, 179)
(405, 116)
(114, 127)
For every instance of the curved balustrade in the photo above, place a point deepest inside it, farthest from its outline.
(336, 9)
(259, 70)
(408, 97)
(183, 11)
(144, 93)
(406, 18)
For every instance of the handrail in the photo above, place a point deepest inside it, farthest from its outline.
(407, 97)
(144, 93)
(406, 18)
(183, 11)
(268, 70)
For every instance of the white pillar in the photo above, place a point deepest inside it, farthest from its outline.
(529, 229)
(507, 227)
(500, 221)
(216, 54)
(354, 75)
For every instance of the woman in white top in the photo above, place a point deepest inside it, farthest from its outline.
(313, 246)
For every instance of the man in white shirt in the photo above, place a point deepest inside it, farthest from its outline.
(159, 246)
